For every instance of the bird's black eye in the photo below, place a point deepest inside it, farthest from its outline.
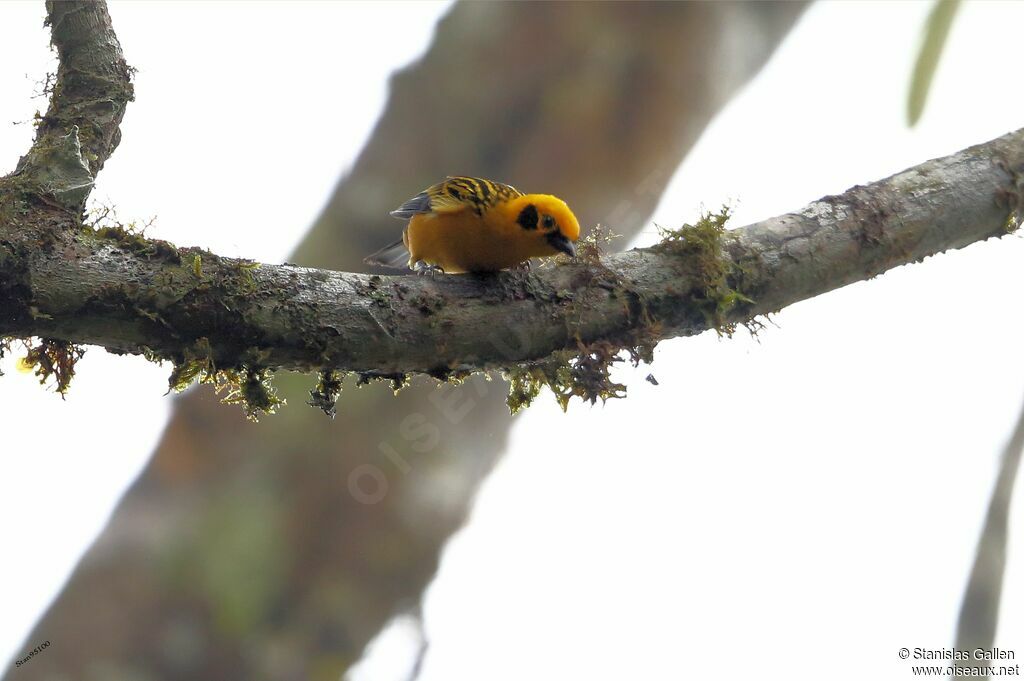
(548, 222)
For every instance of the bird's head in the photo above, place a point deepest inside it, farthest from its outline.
(548, 221)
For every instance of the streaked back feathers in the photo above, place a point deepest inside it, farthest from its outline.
(457, 193)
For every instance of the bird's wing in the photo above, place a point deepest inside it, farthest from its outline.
(414, 206)
(457, 194)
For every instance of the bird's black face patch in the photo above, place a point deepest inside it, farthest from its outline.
(528, 217)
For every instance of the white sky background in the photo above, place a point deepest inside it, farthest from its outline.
(801, 505)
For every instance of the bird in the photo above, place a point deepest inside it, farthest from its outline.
(468, 224)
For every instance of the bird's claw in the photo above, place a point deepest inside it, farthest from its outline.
(423, 268)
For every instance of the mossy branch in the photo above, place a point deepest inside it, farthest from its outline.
(134, 295)
(230, 322)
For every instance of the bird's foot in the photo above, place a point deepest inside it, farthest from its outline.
(425, 269)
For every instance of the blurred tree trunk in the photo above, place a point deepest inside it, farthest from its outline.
(280, 550)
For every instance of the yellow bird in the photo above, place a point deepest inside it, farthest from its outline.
(466, 224)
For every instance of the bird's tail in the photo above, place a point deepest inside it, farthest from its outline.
(395, 256)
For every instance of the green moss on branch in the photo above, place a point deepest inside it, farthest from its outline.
(327, 391)
(54, 359)
(246, 384)
(715, 292)
(701, 252)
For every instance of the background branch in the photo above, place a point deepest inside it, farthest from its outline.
(979, 612)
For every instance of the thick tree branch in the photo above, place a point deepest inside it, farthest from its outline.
(132, 295)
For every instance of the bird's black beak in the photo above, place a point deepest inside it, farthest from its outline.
(561, 244)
